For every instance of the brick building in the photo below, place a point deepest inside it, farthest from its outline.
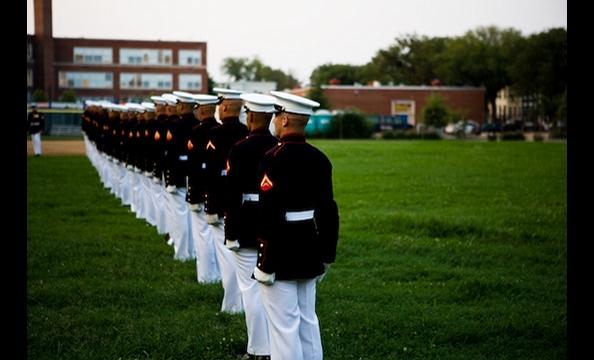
(406, 102)
(115, 70)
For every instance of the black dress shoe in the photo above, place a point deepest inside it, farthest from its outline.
(248, 356)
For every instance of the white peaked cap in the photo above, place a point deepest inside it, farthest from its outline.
(205, 99)
(159, 100)
(148, 106)
(134, 107)
(259, 102)
(228, 94)
(117, 107)
(294, 104)
(185, 97)
(105, 104)
(170, 99)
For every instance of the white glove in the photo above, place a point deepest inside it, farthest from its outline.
(195, 207)
(321, 276)
(130, 167)
(262, 277)
(116, 161)
(171, 189)
(137, 169)
(232, 245)
(213, 219)
(148, 174)
(156, 180)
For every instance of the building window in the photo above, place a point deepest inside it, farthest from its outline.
(190, 57)
(190, 82)
(92, 55)
(85, 80)
(145, 56)
(145, 81)
(29, 51)
(29, 77)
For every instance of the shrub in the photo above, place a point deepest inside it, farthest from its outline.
(558, 134)
(410, 135)
(39, 95)
(68, 96)
(349, 125)
(513, 135)
(395, 134)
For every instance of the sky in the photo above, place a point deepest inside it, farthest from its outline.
(298, 36)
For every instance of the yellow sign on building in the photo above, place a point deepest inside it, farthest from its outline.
(402, 108)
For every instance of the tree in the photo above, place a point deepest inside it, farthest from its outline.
(413, 60)
(437, 113)
(481, 58)
(345, 74)
(210, 85)
(234, 68)
(540, 69)
(254, 70)
(316, 93)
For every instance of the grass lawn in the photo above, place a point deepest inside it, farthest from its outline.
(447, 250)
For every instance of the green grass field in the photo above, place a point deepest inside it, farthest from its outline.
(447, 250)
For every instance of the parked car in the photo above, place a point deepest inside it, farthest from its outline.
(509, 125)
(513, 125)
(470, 128)
(388, 122)
(529, 126)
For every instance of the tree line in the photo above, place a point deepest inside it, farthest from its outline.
(532, 66)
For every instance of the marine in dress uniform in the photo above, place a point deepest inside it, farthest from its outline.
(207, 266)
(177, 173)
(298, 231)
(171, 216)
(147, 134)
(108, 123)
(121, 153)
(35, 126)
(219, 142)
(159, 146)
(133, 148)
(241, 214)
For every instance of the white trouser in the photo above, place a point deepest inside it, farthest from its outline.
(207, 267)
(105, 171)
(149, 204)
(125, 192)
(290, 308)
(36, 140)
(114, 171)
(255, 318)
(169, 213)
(160, 196)
(232, 301)
(181, 230)
(89, 148)
(135, 188)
